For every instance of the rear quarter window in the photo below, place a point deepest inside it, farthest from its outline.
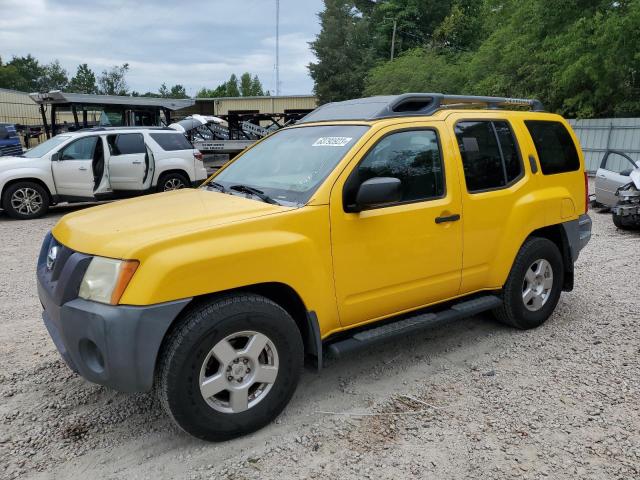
(171, 141)
(556, 150)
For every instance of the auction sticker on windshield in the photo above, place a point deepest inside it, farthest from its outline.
(332, 141)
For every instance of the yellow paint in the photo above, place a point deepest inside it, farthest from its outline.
(350, 268)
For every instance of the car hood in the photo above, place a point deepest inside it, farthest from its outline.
(12, 162)
(121, 228)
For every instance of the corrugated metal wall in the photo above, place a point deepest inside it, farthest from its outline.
(602, 134)
(222, 106)
(17, 107)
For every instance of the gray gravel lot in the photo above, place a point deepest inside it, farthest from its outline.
(472, 399)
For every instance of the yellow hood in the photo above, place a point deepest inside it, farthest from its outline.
(117, 229)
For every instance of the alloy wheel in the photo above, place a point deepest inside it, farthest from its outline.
(537, 285)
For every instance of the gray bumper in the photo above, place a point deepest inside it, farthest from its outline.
(112, 345)
(578, 234)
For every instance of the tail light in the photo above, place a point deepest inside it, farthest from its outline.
(197, 154)
(586, 193)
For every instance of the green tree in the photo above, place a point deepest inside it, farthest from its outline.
(84, 80)
(163, 91)
(343, 51)
(178, 91)
(22, 73)
(113, 81)
(54, 77)
(233, 89)
(256, 87)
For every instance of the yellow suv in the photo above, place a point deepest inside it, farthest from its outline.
(367, 221)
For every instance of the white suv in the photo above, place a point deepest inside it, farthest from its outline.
(97, 164)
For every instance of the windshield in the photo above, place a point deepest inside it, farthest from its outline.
(290, 165)
(45, 147)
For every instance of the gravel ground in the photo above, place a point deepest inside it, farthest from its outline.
(471, 399)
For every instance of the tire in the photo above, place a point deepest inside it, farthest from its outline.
(172, 181)
(530, 267)
(189, 359)
(621, 224)
(25, 200)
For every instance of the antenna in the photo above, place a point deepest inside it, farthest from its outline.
(277, 47)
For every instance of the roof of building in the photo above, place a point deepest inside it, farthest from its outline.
(58, 97)
(410, 104)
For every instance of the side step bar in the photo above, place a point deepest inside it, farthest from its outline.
(407, 326)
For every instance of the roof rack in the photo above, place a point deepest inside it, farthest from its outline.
(411, 104)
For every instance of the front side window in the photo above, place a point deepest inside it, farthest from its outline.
(81, 149)
(413, 157)
(618, 163)
(555, 147)
(126, 143)
(291, 164)
(490, 156)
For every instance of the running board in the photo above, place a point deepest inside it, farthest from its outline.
(406, 326)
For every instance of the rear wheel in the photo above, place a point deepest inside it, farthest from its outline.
(533, 288)
(230, 368)
(172, 181)
(25, 200)
(624, 223)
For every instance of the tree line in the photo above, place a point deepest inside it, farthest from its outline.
(580, 57)
(27, 74)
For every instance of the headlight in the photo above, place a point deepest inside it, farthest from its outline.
(106, 279)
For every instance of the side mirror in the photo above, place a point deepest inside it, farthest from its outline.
(377, 191)
(626, 172)
(55, 157)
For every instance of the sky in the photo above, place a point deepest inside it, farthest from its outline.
(193, 43)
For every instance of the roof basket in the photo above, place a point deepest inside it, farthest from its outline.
(412, 104)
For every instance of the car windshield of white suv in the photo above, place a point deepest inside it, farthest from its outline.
(287, 167)
(45, 147)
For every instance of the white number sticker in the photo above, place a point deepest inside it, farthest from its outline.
(332, 141)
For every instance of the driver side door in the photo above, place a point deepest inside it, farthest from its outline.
(613, 173)
(72, 168)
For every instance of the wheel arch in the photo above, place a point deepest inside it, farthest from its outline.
(169, 171)
(38, 181)
(281, 294)
(557, 235)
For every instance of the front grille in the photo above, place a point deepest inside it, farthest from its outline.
(10, 150)
(62, 277)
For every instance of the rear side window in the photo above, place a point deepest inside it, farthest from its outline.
(126, 143)
(555, 147)
(171, 141)
(490, 155)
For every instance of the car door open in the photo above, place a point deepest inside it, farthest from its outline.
(613, 173)
(130, 162)
(72, 167)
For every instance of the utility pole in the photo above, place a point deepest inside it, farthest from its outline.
(277, 48)
(393, 38)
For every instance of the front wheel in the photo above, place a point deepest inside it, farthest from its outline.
(230, 368)
(533, 287)
(25, 200)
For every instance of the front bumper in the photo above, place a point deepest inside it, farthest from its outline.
(112, 345)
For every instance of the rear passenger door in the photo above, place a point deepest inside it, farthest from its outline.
(495, 184)
(130, 162)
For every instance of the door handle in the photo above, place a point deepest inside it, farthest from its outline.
(601, 176)
(82, 168)
(449, 218)
(136, 162)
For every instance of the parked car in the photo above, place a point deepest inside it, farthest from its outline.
(612, 174)
(341, 232)
(97, 164)
(9, 140)
(626, 212)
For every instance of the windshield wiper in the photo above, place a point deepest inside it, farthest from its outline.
(217, 186)
(254, 191)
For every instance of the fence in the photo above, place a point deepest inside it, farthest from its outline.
(602, 134)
